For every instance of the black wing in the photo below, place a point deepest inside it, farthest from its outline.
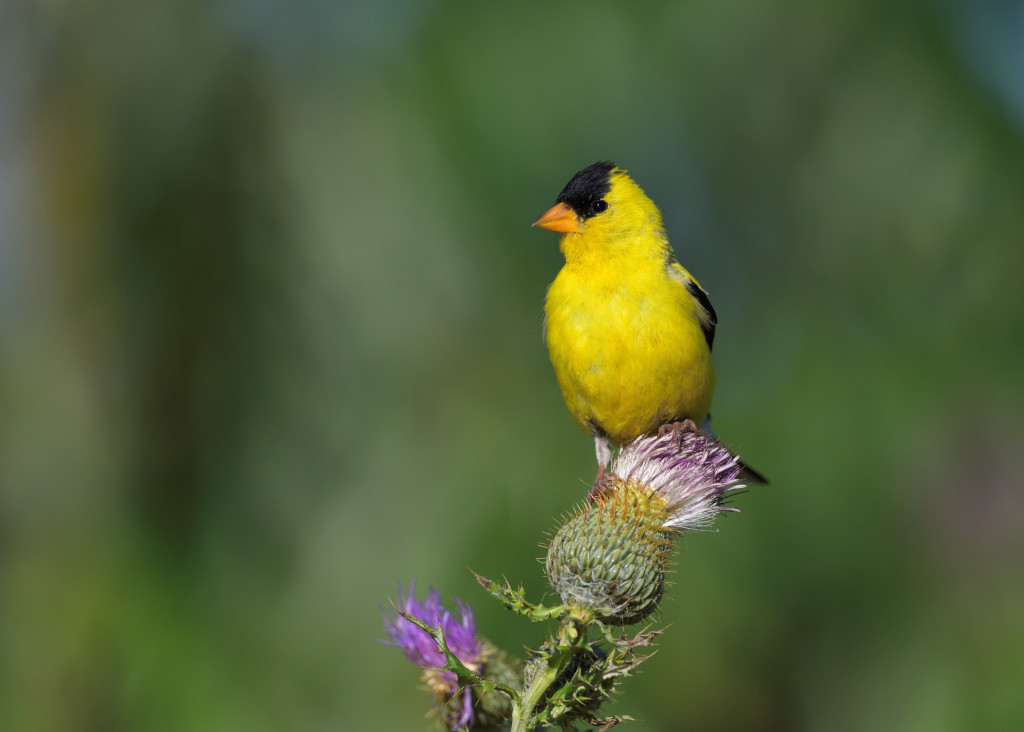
(706, 315)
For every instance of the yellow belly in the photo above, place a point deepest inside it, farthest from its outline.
(629, 357)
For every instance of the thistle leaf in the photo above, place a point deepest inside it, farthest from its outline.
(515, 600)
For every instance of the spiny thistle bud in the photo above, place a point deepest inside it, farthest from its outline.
(608, 561)
(493, 707)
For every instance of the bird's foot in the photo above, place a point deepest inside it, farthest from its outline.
(603, 450)
(678, 428)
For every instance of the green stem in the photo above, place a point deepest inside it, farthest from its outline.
(571, 635)
(522, 712)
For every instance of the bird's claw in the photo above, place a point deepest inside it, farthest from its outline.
(678, 428)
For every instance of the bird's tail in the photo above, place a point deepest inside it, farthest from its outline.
(747, 474)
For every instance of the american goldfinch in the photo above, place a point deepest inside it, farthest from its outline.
(629, 330)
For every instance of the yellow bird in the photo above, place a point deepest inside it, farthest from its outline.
(629, 330)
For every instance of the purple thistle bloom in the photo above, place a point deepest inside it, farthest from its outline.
(420, 648)
(689, 468)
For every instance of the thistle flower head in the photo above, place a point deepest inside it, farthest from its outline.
(690, 470)
(609, 560)
(420, 648)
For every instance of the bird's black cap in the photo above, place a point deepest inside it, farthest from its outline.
(586, 187)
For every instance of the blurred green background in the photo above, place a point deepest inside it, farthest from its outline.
(270, 345)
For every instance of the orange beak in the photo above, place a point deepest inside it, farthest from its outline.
(559, 218)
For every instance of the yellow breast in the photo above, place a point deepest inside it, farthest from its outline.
(627, 348)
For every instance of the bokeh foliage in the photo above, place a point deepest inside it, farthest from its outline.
(270, 344)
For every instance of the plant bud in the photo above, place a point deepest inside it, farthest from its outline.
(608, 561)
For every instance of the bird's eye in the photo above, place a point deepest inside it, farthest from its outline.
(598, 206)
